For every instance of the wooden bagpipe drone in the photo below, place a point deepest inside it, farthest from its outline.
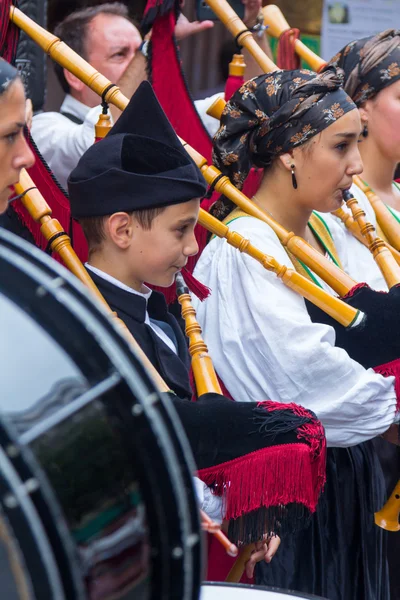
(384, 251)
(304, 490)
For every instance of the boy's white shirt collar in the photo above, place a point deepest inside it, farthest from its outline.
(146, 295)
(118, 283)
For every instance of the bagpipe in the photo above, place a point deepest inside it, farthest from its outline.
(111, 94)
(281, 504)
(356, 328)
(381, 308)
(336, 278)
(279, 28)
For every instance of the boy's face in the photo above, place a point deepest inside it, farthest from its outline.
(159, 253)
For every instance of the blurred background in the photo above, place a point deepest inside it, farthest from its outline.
(205, 57)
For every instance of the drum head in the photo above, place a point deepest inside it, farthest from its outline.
(96, 487)
(226, 591)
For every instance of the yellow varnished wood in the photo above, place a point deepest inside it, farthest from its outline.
(237, 65)
(329, 272)
(351, 225)
(68, 59)
(229, 18)
(387, 222)
(382, 255)
(277, 25)
(336, 308)
(215, 109)
(388, 516)
(236, 572)
(203, 369)
(103, 126)
(41, 212)
(335, 277)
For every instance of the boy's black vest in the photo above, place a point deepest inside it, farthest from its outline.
(131, 308)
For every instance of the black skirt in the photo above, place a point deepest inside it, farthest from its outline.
(342, 554)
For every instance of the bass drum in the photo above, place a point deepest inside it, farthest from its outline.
(96, 492)
(226, 591)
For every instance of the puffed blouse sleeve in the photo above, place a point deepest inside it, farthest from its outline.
(264, 345)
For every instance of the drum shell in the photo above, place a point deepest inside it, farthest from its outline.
(146, 425)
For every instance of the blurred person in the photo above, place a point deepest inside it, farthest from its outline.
(106, 37)
(15, 154)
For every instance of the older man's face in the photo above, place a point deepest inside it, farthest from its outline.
(110, 46)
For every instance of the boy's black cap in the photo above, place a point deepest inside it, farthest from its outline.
(148, 168)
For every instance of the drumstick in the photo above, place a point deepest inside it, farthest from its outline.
(213, 528)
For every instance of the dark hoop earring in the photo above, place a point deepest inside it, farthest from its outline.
(294, 180)
(365, 131)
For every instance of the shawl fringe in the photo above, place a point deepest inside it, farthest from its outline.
(391, 369)
(353, 290)
(273, 489)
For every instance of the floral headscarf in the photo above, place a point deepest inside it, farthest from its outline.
(7, 75)
(272, 114)
(369, 64)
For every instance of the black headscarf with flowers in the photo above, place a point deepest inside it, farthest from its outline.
(369, 64)
(272, 114)
(8, 74)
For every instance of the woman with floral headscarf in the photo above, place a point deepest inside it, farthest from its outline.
(303, 129)
(371, 69)
(14, 151)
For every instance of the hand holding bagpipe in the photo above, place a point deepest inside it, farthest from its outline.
(209, 526)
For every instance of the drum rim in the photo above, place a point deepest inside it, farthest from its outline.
(18, 254)
(276, 590)
(20, 508)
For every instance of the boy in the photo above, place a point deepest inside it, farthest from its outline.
(137, 198)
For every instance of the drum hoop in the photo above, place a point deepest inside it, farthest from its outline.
(22, 503)
(265, 588)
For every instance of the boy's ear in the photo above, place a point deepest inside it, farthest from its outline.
(119, 228)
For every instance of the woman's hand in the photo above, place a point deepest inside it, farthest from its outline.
(264, 550)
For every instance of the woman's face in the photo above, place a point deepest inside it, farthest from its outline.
(326, 165)
(382, 113)
(14, 151)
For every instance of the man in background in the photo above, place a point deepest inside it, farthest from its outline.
(105, 36)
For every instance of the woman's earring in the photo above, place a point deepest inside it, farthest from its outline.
(294, 180)
(365, 130)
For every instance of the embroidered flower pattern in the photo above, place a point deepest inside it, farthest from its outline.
(238, 179)
(333, 113)
(221, 133)
(247, 89)
(264, 129)
(393, 70)
(349, 47)
(272, 87)
(303, 135)
(370, 64)
(228, 158)
(364, 93)
(273, 113)
(260, 114)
